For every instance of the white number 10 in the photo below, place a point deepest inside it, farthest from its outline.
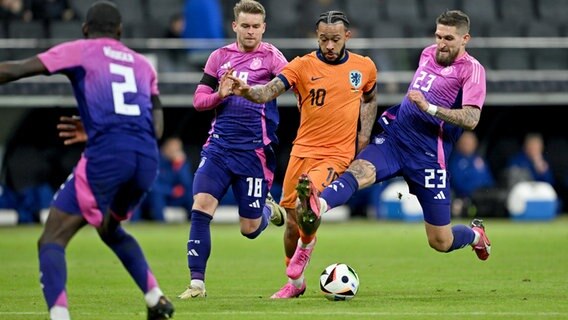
(120, 88)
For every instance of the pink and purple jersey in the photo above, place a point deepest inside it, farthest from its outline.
(462, 83)
(239, 123)
(113, 86)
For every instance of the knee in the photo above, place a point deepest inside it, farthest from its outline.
(205, 202)
(111, 235)
(251, 229)
(292, 229)
(248, 227)
(46, 238)
(440, 244)
(252, 235)
(105, 235)
(50, 238)
(42, 241)
(291, 223)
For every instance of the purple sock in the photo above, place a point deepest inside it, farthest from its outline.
(199, 244)
(340, 190)
(266, 212)
(53, 272)
(463, 236)
(130, 254)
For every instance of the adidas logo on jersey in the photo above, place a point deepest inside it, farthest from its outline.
(255, 204)
(226, 65)
(440, 195)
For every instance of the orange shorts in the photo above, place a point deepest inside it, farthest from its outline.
(321, 171)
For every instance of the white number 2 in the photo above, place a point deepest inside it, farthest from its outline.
(120, 88)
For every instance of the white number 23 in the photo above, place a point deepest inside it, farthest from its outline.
(435, 178)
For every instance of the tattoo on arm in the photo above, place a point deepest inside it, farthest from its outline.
(364, 171)
(267, 92)
(467, 117)
(368, 113)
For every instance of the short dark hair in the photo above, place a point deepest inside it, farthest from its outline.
(331, 17)
(103, 17)
(454, 18)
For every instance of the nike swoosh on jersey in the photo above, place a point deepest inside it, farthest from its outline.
(316, 78)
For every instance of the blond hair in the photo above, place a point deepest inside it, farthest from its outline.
(249, 6)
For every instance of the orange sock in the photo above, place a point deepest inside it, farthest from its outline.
(306, 239)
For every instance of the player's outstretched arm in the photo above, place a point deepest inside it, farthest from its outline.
(467, 117)
(258, 93)
(367, 117)
(14, 70)
(71, 130)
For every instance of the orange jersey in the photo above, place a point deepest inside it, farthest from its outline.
(329, 98)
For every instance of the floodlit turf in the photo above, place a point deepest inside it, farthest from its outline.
(526, 276)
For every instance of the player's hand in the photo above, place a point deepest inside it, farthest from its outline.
(239, 88)
(71, 130)
(226, 84)
(418, 99)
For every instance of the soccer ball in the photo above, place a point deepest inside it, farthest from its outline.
(339, 282)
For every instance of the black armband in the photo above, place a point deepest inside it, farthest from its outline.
(209, 81)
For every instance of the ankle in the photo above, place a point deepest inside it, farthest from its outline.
(59, 313)
(197, 284)
(323, 206)
(153, 296)
(476, 238)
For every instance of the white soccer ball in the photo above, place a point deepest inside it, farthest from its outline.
(339, 282)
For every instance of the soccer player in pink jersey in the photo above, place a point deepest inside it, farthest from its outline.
(238, 152)
(445, 97)
(121, 118)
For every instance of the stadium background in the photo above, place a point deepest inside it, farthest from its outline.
(522, 44)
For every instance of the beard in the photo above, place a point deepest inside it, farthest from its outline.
(447, 60)
(339, 55)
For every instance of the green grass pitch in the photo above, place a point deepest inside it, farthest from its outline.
(526, 276)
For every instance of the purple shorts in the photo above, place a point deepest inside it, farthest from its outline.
(425, 177)
(115, 182)
(249, 172)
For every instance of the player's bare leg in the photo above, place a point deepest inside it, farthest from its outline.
(294, 287)
(309, 219)
(291, 234)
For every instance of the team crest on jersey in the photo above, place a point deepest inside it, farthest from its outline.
(256, 63)
(355, 78)
(447, 70)
(379, 140)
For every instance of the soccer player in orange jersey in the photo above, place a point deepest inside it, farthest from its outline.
(336, 91)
